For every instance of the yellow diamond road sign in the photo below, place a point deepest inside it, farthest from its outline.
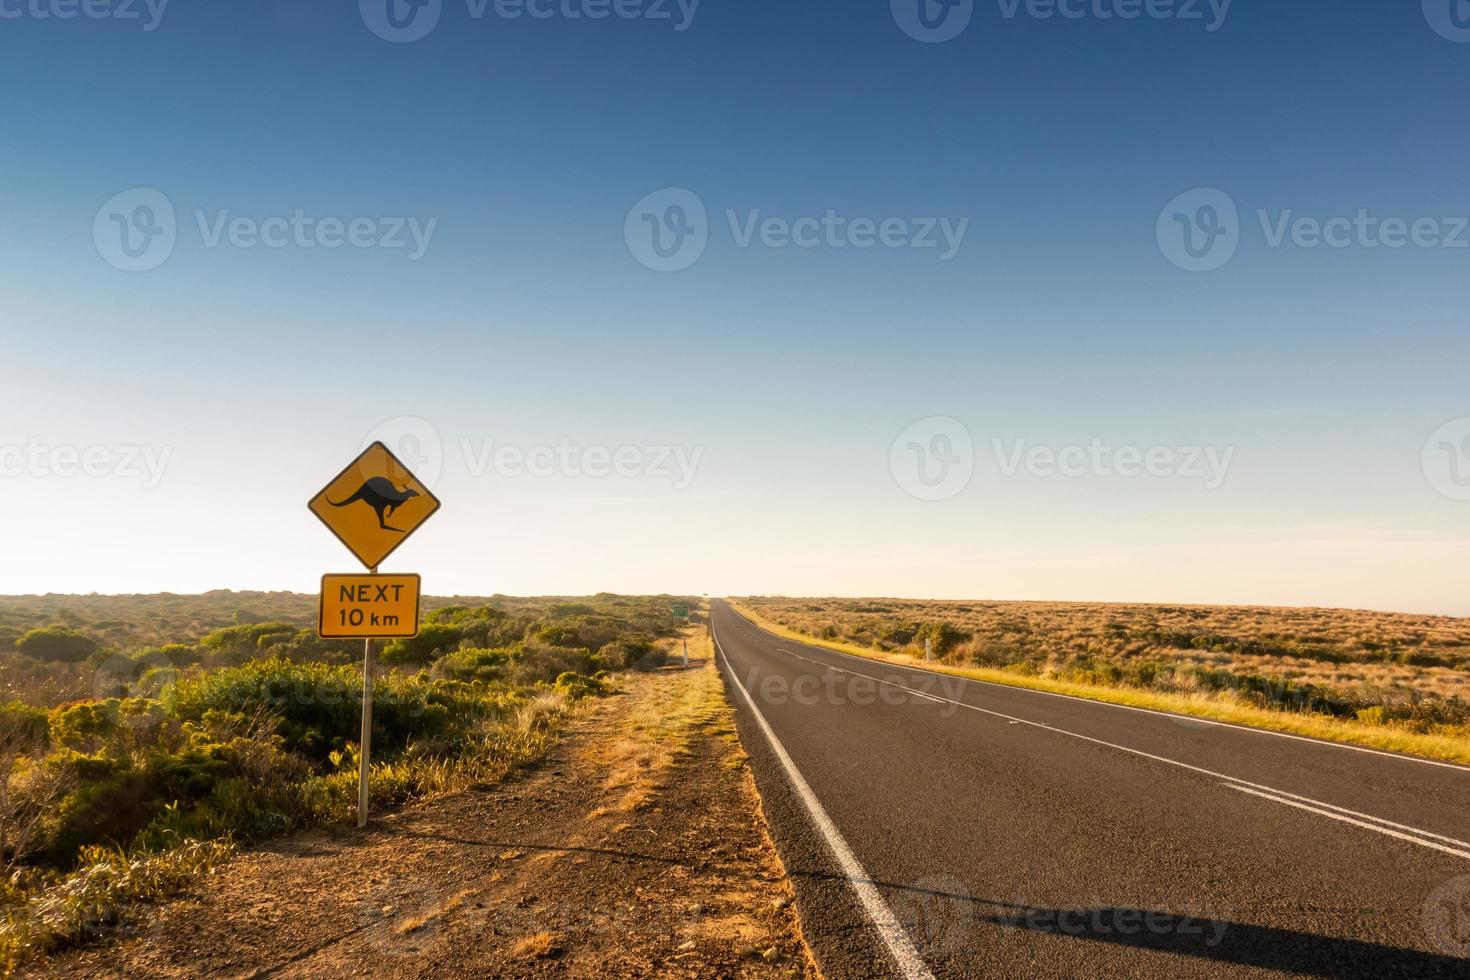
(374, 505)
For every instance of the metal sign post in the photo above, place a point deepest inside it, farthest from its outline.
(364, 756)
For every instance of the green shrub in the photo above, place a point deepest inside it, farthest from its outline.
(433, 639)
(56, 643)
(247, 640)
(319, 705)
(473, 664)
(622, 654)
(23, 727)
(576, 687)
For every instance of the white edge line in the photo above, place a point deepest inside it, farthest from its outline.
(1127, 707)
(890, 930)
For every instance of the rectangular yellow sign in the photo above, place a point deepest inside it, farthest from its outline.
(370, 607)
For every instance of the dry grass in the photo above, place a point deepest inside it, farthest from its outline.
(1395, 682)
(539, 946)
(660, 723)
(415, 923)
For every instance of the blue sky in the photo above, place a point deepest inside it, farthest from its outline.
(529, 320)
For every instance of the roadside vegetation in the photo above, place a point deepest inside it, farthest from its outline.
(135, 758)
(1394, 681)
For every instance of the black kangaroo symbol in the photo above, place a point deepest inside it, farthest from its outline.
(381, 495)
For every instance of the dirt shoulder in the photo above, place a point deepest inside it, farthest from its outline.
(636, 848)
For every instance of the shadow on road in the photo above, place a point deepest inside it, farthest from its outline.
(1304, 953)
(1200, 936)
(925, 911)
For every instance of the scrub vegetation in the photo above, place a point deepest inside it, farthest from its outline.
(1396, 681)
(142, 737)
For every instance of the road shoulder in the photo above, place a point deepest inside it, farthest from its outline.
(636, 848)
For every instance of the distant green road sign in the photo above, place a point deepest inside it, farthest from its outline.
(681, 609)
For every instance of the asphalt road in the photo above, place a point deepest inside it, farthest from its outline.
(941, 827)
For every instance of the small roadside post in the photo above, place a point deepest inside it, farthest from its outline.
(928, 649)
(681, 611)
(357, 506)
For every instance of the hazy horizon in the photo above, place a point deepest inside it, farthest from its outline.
(675, 594)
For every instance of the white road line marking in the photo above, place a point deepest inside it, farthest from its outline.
(1424, 838)
(890, 930)
(1156, 711)
(1357, 823)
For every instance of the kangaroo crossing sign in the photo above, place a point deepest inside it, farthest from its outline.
(374, 505)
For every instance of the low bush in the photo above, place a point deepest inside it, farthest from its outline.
(56, 643)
